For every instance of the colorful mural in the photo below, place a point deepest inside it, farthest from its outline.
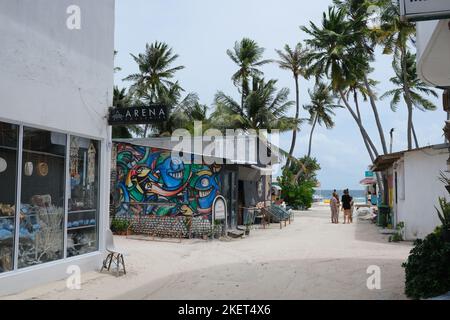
(146, 176)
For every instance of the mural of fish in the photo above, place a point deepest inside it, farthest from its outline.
(149, 175)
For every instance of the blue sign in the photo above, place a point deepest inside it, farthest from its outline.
(369, 174)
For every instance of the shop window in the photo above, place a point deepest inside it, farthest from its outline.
(82, 222)
(42, 209)
(8, 175)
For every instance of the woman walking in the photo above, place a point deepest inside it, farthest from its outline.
(334, 204)
(347, 202)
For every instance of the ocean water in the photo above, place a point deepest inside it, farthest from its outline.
(359, 196)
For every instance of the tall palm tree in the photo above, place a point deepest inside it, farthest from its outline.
(417, 88)
(248, 55)
(336, 52)
(293, 60)
(321, 109)
(154, 82)
(264, 107)
(359, 15)
(395, 35)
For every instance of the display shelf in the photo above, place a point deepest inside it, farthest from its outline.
(81, 228)
(6, 217)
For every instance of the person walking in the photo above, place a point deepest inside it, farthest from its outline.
(334, 205)
(347, 202)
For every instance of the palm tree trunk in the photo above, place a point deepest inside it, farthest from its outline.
(375, 113)
(416, 141)
(358, 112)
(359, 123)
(145, 131)
(378, 175)
(311, 135)
(407, 94)
(297, 115)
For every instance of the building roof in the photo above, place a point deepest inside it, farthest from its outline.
(386, 161)
(244, 151)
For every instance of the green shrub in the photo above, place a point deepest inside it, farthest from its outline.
(428, 268)
(119, 225)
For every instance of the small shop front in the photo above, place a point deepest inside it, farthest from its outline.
(56, 87)
(161, 194)
(49, 201)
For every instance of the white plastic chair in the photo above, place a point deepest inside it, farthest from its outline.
(114, 255)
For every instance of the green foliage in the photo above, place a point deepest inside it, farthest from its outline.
(298, 182)
(119, 225)
(428, 268)
(398, 236)
(444, 213)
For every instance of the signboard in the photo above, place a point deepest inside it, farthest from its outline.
(138, 115)
(220, 208)
(424, 10)
(369, 174)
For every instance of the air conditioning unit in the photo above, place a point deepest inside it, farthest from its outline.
(422, 10)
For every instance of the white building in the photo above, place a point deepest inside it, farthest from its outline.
(414, 187)
(56, 83)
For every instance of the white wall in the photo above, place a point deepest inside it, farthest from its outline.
(422, 189)
(58, 79)
(52, 76)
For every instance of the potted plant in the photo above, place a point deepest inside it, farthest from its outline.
(119, 227)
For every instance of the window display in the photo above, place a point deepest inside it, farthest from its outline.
(83, 200)
(41, 228)
(8, 175)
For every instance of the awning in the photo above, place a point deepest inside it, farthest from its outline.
(368, 182)
(386, 161)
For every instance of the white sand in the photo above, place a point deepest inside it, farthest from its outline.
(310, 259)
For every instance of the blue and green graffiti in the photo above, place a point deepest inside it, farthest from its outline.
(153, 176)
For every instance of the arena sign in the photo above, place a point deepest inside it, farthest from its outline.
(138, 115)
(424, 10)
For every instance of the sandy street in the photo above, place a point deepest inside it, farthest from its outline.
(310, 259)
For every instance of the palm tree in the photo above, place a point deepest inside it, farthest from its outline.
(247, 54)
(417, 88)
(336, 52)
(154, 80)
(121, 99)
(320, 109)
(359, 16)
(293, 61)
(395, 35)
(264, 107)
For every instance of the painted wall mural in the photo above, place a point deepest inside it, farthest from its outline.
(146, 176)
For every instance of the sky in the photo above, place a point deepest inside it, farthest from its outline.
(201, 31)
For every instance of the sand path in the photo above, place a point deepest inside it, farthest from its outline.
(310, 259)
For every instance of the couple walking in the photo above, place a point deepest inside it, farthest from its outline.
(347, 207)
